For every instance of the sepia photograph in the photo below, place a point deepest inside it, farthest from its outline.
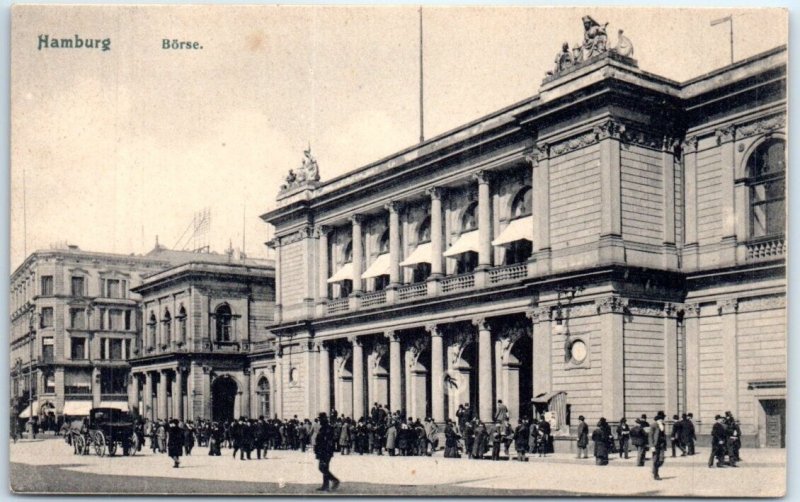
(420, 251)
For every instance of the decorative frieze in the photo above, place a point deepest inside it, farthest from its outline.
(725, 134)
(576, 143)
(611, 129)
(727, 306)
(761, 126)
(762, 303)
(611, 304)
(303, 233)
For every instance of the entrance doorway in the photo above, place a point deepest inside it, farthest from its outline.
(775, 411)
(223, 398)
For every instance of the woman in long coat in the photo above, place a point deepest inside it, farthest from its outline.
(479, 446)
(345, 437)
(600, 438)
(391, 438)
(175, 442)
(451, 441)
(521, 440)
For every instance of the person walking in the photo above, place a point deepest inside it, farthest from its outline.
(450, 441)
(719, 438)
(675, 437)
(600, 439)
(583, 437)
(391, 438)
(323, 450)
(623, 436)
(659, 441)
(188, 437)
(501, 415)
(690, 432)
(521, 440)
(639, 440)
(175, 442)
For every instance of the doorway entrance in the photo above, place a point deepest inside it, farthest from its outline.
(223, 398)
(775, 411)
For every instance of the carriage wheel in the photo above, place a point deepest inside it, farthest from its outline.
(134, 447)
(99, 444)
(112, 448)
(79, 444)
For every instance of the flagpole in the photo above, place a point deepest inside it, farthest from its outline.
(421, 91)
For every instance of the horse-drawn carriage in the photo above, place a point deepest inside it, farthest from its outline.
(105, 431)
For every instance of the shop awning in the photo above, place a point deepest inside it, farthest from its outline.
(120, 405)
(517, 230)
(26, 413)
(546, 398)
(379, 267)
(423, 254)
(467, 242)
(77, 408)
(343, 274)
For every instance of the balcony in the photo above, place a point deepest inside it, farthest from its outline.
(338, 306)
(766, 249)
(411, 291)
(458, 283)
(508, 273)
(373, 298)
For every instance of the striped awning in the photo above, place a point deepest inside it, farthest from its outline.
(343, 274)
(517, 230)
(378, 268)
(423, 254)
(77, 408)
(468, 241)
(120, 405)
(26, 413)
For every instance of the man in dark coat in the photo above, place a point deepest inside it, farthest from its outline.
(659, 441)
(624, 437)
(734, 438)
(638, 439)
(521, 440)
(175, 442)
(583, 437)
(323, 450)
(689, 425)
(718, 439)
(687, 434)
(675, 437)
(600, 438)
(544, 438)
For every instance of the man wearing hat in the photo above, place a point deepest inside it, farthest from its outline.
(659, 441)
(323, 450)
(718, 439)
(583, 437)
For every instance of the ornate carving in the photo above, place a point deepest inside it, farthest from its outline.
(306, 174)
(624, 45)
(725, 134)
(611, 304)
(321, 230)
(564, 60)
(481, 323)
(433, 329)
(356, 219)
(206, 370)
(670, 144)
(689, 145)
(762, 303)
(436, 193)
(610, 129)
(394, 206)
(671, 309)
(765, 125)
(538, 314)
(728, 306)
(645, 308)
(302, 233)
(483, 177)
(354, 339)
(378, 351)
(573, 144)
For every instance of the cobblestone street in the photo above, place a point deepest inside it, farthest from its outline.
(50, 466)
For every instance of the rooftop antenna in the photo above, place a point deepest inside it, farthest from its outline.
(726, 19)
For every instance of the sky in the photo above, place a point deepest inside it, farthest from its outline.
(111, 149)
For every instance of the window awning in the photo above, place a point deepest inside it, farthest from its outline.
(26, 413)
(517, 230)
(467, 242)
(379, 267)
(120, 405)
(423, 254)
(343, 274)
(546, 397)
(77, 408)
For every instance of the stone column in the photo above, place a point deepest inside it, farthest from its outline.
(358, 378)
(485, 397)
(670, 358)
(725, 140)
(395, 375)
(437, 236)
(394, 209)
(162, 395)
(690, 247)
(484, 220)
(691, 321)
(542, 350)
(611, 326)
(358, 252)
(275, 244)
(177, 394)
(540, 162)
(245, 404)
(730, 374)
(147, 398)
(324, 378)
(96, 389)
(322, 294)
(437, 373)
(668, 168)
(611, 247)
(133, 394)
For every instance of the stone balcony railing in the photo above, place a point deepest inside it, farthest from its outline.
(373, 298)
(458, 283)
(508, 273)
(412, 291)
(766, 249)
(338, 306)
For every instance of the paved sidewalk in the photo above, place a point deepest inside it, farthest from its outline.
(762, 473)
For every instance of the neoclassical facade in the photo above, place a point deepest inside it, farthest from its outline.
(612, 246)
(202, 323)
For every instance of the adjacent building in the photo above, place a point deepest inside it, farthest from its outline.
(612, 246)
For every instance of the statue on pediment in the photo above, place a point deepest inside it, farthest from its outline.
(308, 172)
(564, 59)
(624, 45)
(595, 39)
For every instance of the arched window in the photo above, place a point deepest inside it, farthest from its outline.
(766, 178)
(383, 243)
(348, 252)
(522, 205)
(182, 325)
(224, 318)
(469, 220)
(346, 286)
(424, 231)
(263, 397)
(167, 320)
(151, 330)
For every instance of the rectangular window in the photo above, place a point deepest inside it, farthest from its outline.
(113, 381)
(103, 354)
(48, 349)
(116, 349)
(77, 318)
(78, 286)
(47, 317)
(115, 320)
(101, 316)
(50, 383)
(113, 288)
(47, 285)
(128, 314)
(77, 381)
(78, 348)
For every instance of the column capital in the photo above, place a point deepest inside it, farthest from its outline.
(611, 128)
(392, 335)
(321, 230)
(671, 309)
(356, 219)
(245, 371)
(394, 206)
(320, 345)
(354, 339)
(433, 329)
(691, 309)
(481, 323)
(538, 314)
(670, 143)
(274, 243)
(537, 153)
(483, 177)
(689, 144)
(725, 134)
(611, 304)
(728, 306)
(436, 193)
